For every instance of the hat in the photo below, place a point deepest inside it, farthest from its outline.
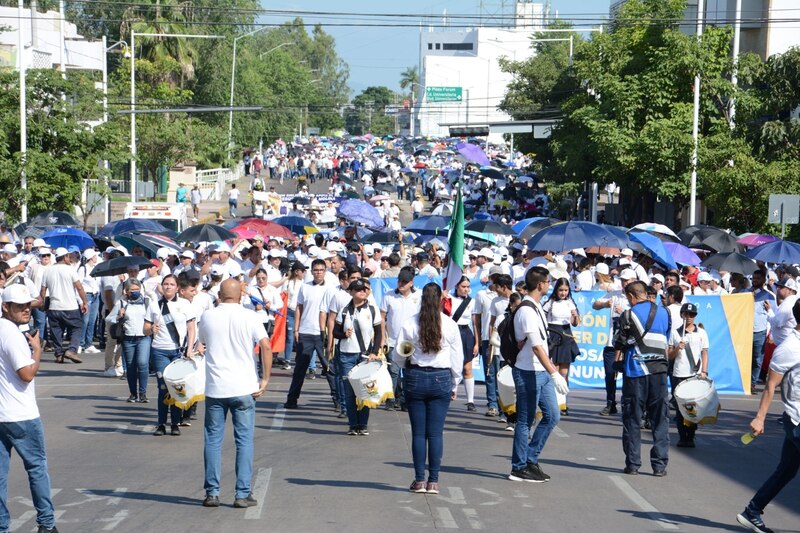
(704, 276)
(689, 308)
(297, 265)
(627, 274)
(191, 274)
(601, 268)
(39, 243)
(423, 256)
(313, 252)
(217, 270)
(61, 252)
(222, 247)
(44, 250)
(789, 283)
(558, 269)
(626, 252)
(274, 253)
(4, 239)
(257, 237)
(73, 249)
(495, 270)
(791, 270)
(188, 253)
(369, 250)
(156, 262)
(17, 294)
(89, 253)
(624, 261)
(325, 254)
(378, 246)
(503, 251)
(9, 248)
(163, 252)
(487, 253)
(357, 285)
(657, 277)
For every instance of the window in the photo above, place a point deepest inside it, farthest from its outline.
(430, 46)
(438, 46)
(457, 46)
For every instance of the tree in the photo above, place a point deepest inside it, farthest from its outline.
(369, 112)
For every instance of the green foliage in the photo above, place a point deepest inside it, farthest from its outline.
(368, 113)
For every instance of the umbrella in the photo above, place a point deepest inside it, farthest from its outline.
(473, 153)
(681, 254)
(244, 233)
(653, 247)
(379, 198)
(384, 187)
(54, 218)
(441, 242)
(301, 200)
(297, 225)
(445, 209)
(267, 228)
(478, 236)
(524, 179)
(360, 212)
(150, 242)
(350, 194)
(131, 225)
(66, 237)
(491, 172)
(526, 228)
(346, 179)
(652, 227)
(709, 238)
(205, 233)
(120, 265)
(489, 226)
(780, 252)
(731, 262)
(573, 234)
(24, 229)
(420, 164)
(661, 236)
(429, 225)
(755, 239)
(387, 237)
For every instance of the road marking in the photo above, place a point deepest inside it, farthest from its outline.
(643, 504)
(413, 511)
(520, 494)
(114, 521)
(472, 518)
(490, 493)
(16, 523)
(560, 432)
(591, 459)
(259, 492)
(445, 518)
(277, 419)
(456, 496)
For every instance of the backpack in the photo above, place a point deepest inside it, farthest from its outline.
(509, 347)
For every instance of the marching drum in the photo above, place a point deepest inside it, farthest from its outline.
(697, 400)
(506, 391)
(186, 381)
(371, 383)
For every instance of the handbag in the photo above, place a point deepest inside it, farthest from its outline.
(117, 331)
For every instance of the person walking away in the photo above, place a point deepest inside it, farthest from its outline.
(784, 370)
(233, 200)
(20, 424)
(230, 334)
(431, 376)
(195, 198)
(61, 282)
(91, 287)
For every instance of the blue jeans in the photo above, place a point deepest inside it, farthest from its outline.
(39, 322)
(232, 205)
(287, 352)
(525, 385)
(136, 355)
(243, 415)
(89, 319)
(548, 403)
(786, 469)
(490, 371)
(759, 339)
(427, 394)
(161, 358)
(61, 321)
(358, 418)
(646, 394)
(27, 437)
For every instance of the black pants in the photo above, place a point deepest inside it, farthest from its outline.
(609, 355)
(65, 321)
(685, 433)
(306, 346)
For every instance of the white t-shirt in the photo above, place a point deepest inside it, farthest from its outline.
(314, 299)
(784, 358)
(182, 311)
(697, 340)
(59, 280)
(268, 294)
(202, 302)
(451, 354)
(466, 316)
(498, 310)
(559, 311)
(399, 309)
(428, 270)
(233, 194)
(530, 320)
(17, 398)
(366, 324)
(483, 307)
(783, 322)
(230, 332)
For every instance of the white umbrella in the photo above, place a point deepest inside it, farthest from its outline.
(443, 210)
(656, 228)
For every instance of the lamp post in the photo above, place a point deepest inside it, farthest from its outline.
(23, 112)
(133, 92)
(695, 126)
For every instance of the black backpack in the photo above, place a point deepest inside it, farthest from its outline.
(509, 347)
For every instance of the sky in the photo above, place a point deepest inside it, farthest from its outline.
(378, 55)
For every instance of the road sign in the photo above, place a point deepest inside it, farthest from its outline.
(443, 94)
(784, 208)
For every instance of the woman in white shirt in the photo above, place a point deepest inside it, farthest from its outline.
(562, 313)
(431, 376)
(264, 299)
(293, 289)
(461, 311)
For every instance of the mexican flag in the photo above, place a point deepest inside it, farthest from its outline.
(455, 268)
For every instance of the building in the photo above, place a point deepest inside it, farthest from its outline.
(460, 77)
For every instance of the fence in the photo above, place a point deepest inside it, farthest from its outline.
(212, 182)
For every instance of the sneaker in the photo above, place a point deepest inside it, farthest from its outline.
(509, 426)
(72, 356)
(363, 432)
(418, 487)
(491, 412)
(43, 529)
(80, 349)
(110, 372)
(243, 503)
(352, 431)
(752, 521)
(631, 471)
(471, 407)
(175, 431)
(160, 431)
(686, 444)
(525, 475)
(211, 501)
(143, 398)
(565, 411)
(91, 349)
(133, 398)
(432, 487)
(660, 473)
(609, 410)
(389, 405)
(311, 375)
(536, 469)
(502, 419)
(290, 405)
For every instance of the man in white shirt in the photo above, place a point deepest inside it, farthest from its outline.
(230, 333)
(425, 268)
(536, 381)
(61, 282)
(398, 307)
(230, 266)
(783, 322)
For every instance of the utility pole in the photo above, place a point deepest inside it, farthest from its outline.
(696, 125)
(368, 104)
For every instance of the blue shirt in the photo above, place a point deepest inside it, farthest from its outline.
(652, 359)
(760, 296)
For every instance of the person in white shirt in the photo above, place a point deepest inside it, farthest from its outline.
(462, 312)
(416, 207)
(536, 381)
(230, 267)
(398, 307)
(562, 313)
(424, 266)
(230, 333)
(429, 349)
(292, 288)
(703, 285)
(61, 282)
(233, 200)
(91, 287)
(502, 286)
(782, 322)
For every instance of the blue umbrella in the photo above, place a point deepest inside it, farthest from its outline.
(360, 212)
(131, 225)
(297, 225)
(653, 247)
(780, 252)
(483, 216)
(429, 225)
(681, 254)
(66, 237)
(573, 234)
(473, 153)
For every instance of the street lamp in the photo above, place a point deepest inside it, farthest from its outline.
(133, 91)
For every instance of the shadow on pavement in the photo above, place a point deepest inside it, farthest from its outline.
(345, 483)
(144, 496)
(685, 519)
(467, 471)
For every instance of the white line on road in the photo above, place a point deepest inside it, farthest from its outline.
(456, 496)
(560, 432)
(16, 523)
(445, 518)
(114, 521)
(498, 498)
(259, 492)
(643, 504)
(277, 419)
(472, 518)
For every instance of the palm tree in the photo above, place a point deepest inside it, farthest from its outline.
(408, 79)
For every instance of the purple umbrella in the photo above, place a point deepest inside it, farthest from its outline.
(360, 212)
(681, 254)
(755, 239)
(473, 153)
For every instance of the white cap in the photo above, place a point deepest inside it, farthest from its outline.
(496, 260)
(627, 274)
(44, 250)
(274, 253)
(789, 283)
(89, 253)
(10, 248)
(313, 252)
(17, 293)
(624, 261)
(487, 253)
(188, 253)
(704, 276)
(657, 277)
(601, 268)
(163, 252)
(217, 270)
(222, 247)
(716, 277)
(61, 252)
(333, 235)
(121, 249)
(369, 250)
(377, 246)
(626, 252)
(325, 254)
(503, 251)
(39, 243)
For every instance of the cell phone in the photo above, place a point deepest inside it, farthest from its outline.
(24, 328)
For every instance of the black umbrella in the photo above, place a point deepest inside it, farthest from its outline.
(396, 161)
(423, 151)
(54, 218)
(385, 187)
(380, 172)
(731, 262)
(387, 237)
(120, 265)
(531, 229)
(493, 173)
(489, 226)
(346, 179)
(205, 233)
(301, 200)
(709, 238)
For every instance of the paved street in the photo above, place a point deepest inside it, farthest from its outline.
(110, 474)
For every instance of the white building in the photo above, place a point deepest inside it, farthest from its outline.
(460, 79)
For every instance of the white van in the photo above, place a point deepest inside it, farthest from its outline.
(173, 216)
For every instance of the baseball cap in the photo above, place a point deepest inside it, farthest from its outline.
(156, 262)
(17, 294)
(357, 285)
(89, 253)
(217, 270)
(624, 261)
(626, 252)
(369, 250)
(704, 276)
(222, 247)
(313, 251)
(423, 256)
(73, 249)
(163, 252)
(495, 270)
(487, 253)
(377, 246)
(657, 277)
(297, 265)
(627, 274)
(689, 308)
(39, 243)
(9, 248)
(325, 254)
(44, 250)
(257, 237)
(789, 283)
(601, 268)
(61, 252)
(188, 253)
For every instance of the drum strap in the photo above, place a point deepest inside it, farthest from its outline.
(357, 328)
(461, 308)
(694, 365)
(171, 327)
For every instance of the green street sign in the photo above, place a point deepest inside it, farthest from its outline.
(443, 94)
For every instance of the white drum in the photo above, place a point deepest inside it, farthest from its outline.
(506, 391)
(697, 400)
(186, 381)
(371, 383)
